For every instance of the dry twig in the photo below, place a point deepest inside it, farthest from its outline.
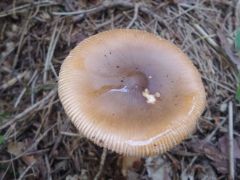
(26, 170)
(12, 81)
(136, 7)
(103, 158)
(206, 36)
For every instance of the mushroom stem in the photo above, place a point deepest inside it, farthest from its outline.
(130, 163)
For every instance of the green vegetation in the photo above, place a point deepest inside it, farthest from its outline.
(237, 40)
(238, 92)
(1, 139)
(3, 116)
(237, 47)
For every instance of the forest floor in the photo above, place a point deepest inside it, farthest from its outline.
(38, 141)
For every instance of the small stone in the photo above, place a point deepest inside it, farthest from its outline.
(14, 28)
(223, 107)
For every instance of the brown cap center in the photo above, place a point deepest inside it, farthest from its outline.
(135, 81)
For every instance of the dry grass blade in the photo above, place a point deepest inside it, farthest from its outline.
(51, 49)
(71, 134)
(20, 97)
(206, 36)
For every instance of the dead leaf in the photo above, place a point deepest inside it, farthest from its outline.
(206, 148)
(219, 160)
(223, 146)
(29, 159)
(16, 148)
(208, 173)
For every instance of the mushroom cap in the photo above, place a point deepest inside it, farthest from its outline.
(131, 92)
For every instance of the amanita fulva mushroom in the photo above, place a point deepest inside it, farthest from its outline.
(131, 92)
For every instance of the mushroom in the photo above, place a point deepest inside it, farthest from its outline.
(131, 92)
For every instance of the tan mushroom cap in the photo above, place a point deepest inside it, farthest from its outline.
(131, 91)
